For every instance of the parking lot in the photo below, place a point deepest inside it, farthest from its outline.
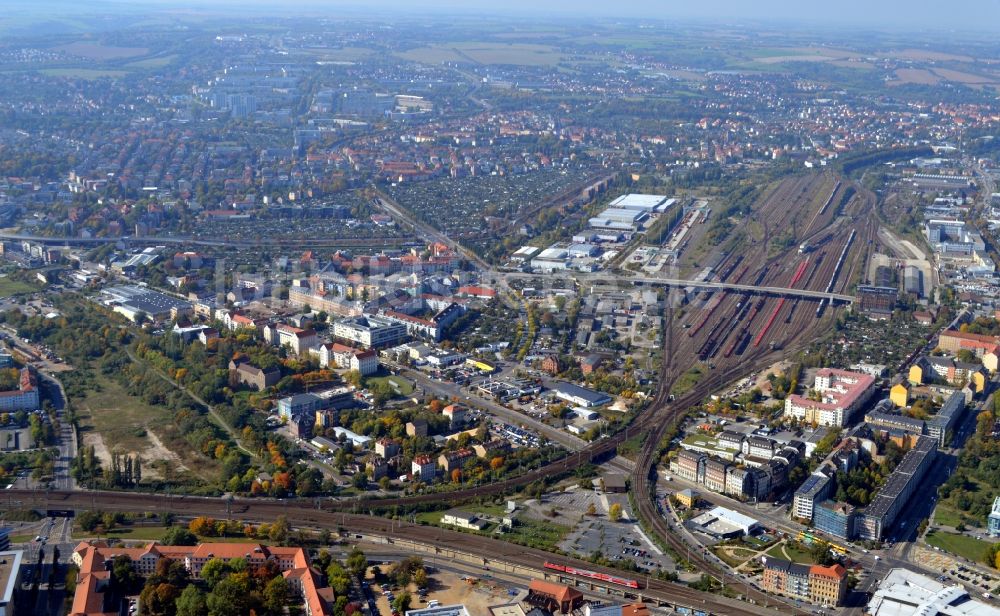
(617, 541)
(952, 571)
(519, 437)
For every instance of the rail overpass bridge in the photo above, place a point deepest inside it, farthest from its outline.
(607, 279)
(600, 278)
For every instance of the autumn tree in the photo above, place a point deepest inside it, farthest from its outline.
(202, 526)
(993, 555)
(338, 578)
(401, 603)
(356, 562)
(420, 577)
(279, 530)
(214, 571)
(159, 599)
(231, 596)
(615, 512)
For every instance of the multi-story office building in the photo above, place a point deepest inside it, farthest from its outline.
(691, 466)
(715, 475)
(370, 331)
(834, 518)
(880, 515)
(816, 488)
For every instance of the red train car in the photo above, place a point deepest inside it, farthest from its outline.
(603, 577)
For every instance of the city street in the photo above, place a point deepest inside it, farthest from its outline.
(52, 391)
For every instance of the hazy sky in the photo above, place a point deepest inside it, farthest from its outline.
(892, 14)
(882, 14)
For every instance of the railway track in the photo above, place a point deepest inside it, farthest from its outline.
(665, 414)
(797, 323)
(491, 550)
(653, 423)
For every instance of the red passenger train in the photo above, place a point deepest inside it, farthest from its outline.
(603, 577)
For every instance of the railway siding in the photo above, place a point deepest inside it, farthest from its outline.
(472, 549)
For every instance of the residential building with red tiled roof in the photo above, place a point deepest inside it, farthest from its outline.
(238, 321)
(473, 291)
(953, 341)
(554, 597)
(93, 578)
(842, 394)
(365, 362)
(451, 460)
(25, 398)
(423, 468)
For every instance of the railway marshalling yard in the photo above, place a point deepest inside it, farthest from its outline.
(838, 239)
(811, 232)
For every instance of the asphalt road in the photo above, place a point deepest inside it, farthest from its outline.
(55, 393)
(67, 433)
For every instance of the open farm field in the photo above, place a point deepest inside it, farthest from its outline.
(94, 51)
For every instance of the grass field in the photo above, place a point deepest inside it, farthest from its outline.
(432, 55)
(522, 54)
(969, 547)
(430, 517)
(152, 533)
(10, 287)
(81, 73)
(537, 533)
(688, 380)
(918, 76)
(112, 420)
(733, 556)
(630, 448)
(397, 383)
(785, 52)
(159, 62)
(93, 51)
(963, 77)
(754, 542)
(126, 533)
(946, 516)
(788, 552)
